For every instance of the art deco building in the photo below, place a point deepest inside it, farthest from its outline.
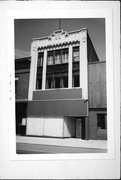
(67, 87)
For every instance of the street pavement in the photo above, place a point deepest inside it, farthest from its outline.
(40, 145)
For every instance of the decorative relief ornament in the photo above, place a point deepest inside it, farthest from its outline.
(57, 35)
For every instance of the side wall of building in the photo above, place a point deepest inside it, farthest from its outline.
(97, 85)
(22, 72)
(97, 100)
(22, 85)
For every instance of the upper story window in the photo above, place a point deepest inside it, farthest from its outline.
(75, 53)
(40, 59)
(57, 57)
(57, 69)
(39, 70)
(75, 67)
(50, 58)
(65, 55)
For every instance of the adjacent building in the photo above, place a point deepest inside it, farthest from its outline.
(22, 73)
(66, 90)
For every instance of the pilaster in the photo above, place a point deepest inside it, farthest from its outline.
(70, 67)
(83, 64)
(32, 80)
(44, 70)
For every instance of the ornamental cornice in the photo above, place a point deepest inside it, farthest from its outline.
(58, 45)
(60, 38)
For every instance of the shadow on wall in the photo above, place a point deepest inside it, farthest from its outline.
(69, 129)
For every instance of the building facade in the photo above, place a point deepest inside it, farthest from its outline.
(67, 88)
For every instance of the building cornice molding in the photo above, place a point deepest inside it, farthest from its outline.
(58, 45)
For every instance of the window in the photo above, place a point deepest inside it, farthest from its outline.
(40, 59)
(58, 57)
(57, 68)
(75, 67)
(57, 82)
(49, 83)
(39, 84)
(76, 80)
(75, 53)
(16, 82)
(50, 58)
(65, 55)
(57, 73)
(102, 121)
(39, 70)
(65, 81)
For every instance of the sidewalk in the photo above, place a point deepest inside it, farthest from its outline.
(67, 142)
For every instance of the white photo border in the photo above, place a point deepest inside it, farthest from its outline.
(68, 13)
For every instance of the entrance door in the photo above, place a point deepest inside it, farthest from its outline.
(80, 128)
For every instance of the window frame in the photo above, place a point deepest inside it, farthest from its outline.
(63, 52)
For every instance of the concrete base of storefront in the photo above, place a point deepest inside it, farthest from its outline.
(51, 126)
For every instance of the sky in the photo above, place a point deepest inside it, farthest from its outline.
(27, 29)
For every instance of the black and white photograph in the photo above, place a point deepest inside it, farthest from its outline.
(60, 86)
(60, 90)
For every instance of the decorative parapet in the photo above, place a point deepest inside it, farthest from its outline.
(58, 35)
(57, 38)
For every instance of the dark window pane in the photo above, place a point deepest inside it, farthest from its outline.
(76, 81)
(39, 70)
(57, 82)
(65, 81)
(76, 66)
(101, 121)
(49, 83)
(39, 84)
(16, 87)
